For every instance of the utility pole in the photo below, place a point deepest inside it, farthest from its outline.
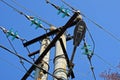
(40, 74)
(59, 60)
(60, 31)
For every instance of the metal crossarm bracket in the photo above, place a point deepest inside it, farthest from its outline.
(40, 37)
(37, 51)
(45, 35)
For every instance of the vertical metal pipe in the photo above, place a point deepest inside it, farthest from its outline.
(39, 74)
(60, 61)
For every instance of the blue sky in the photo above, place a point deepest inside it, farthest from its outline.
(104, 12)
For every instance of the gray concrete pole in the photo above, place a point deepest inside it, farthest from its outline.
(39, 74)
(60, 61)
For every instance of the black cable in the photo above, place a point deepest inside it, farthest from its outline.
(19, 56)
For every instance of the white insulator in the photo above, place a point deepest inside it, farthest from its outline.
(52, 28)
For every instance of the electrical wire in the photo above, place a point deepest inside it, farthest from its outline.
(22, 40)
(106, 62)
(11, 44)
(22, 13)
(92, 40)
(21, 62)
(92, 69)
(99, 26)
(5, 31)
(28, 10)
(11, 64)
(89, 56)
(73, 9)
(28, 61)
(11, 6)
(98, 55)
(25, 16)
(65, 12)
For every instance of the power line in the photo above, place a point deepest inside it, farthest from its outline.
(89, 56)
(61, 31)
(106, 62)
(73, 9)
(11, 7)
(21, 62)
(99, 26)
(28, 10)
(19, 56)
(92, 40)
(14, 35)
(34, 20)
(11, 64)
(60, 9)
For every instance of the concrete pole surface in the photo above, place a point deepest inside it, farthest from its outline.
(39, 74)
(60, 61)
